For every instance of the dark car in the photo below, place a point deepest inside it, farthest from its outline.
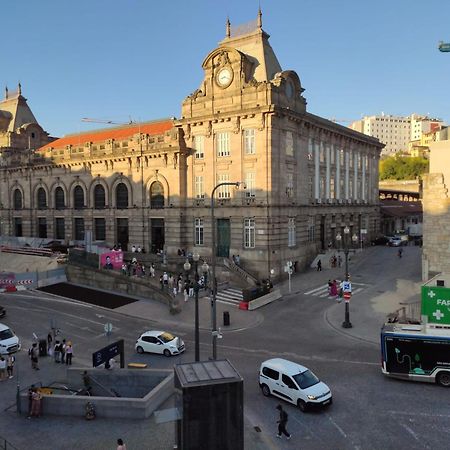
(2, 311)
(381, 240)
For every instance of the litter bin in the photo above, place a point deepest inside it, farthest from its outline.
(42, 347)
(226, 319)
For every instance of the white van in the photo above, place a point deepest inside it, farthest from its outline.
(9, 342)
(293, 383)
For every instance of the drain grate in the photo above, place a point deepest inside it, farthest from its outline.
(257, 429)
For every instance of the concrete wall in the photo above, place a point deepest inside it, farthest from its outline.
(117, 407)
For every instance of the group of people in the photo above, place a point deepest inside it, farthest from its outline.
(137, 249)
(336, 261)
(62, 351)
(6, 367)
(176, 285)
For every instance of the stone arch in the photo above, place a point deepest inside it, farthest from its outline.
(165, 185)
(70, 200)
(99, 182)
(52, 198)
(35, 191)
(18, 198)
(126, 182)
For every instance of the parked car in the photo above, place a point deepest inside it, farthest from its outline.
(294, 383)
(9, 342)
(397, 241)
(2, 311)
(159, 342)
(381, 240)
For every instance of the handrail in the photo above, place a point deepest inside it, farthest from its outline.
(110, 392)
(239, 270)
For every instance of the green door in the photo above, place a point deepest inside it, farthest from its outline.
(223, 237)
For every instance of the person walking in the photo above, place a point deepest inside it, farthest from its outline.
(57, 351)
(282, 422)
(121, 445)
(10, 365)
(319, 266)
(63, 351)
(34, 356)
(69, 353)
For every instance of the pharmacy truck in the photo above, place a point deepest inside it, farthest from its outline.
(416, 352)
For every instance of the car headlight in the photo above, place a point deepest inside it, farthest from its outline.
(311, 397)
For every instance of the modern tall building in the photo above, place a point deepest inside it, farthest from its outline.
(396, 132)
(306, 177)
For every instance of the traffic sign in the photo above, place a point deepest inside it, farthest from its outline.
(347, 296)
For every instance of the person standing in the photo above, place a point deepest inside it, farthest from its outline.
(10, 365)
(2, 368)
(121, 445)
(57, 352)
(339, 261)
(63, 351)
(49, 342)
(36, 399)
(34, 356)
(319, 266)
(69, 353)
(282, 422)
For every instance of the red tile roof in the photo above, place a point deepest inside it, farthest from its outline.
(152, 128)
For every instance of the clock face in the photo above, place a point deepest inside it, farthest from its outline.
(224, 77)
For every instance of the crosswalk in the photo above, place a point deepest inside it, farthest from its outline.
(322, 290)
(229, 296)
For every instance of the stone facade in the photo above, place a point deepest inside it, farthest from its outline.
(150, 184)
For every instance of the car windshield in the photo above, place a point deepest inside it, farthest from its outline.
(306, 379)
(6, 334)
(166, 337)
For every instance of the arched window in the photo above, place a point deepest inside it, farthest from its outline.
(78, 197)
(18, 199)
(59, 198)
(41, 198)
(121, 196)
(156, 195)
(99, 197)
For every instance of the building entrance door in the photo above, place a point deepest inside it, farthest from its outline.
(122, 233)
(223, 238)
(157, 235)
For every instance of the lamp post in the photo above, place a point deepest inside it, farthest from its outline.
(345, 244)
(196, 258)
(214, 331)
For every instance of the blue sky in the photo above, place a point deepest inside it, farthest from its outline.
(138, 59)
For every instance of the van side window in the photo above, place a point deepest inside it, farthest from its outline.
(288, 382)
(270, 373)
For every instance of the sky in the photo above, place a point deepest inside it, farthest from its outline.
(123, 60)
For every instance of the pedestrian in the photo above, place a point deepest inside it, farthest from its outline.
(57, 352)
(36, 403)
(319, 266)
(161, 282)
(186, 294)
(339, 261)
(238, 260)
(87, 382)
(191, 289)
(133, 249)
(180, 284)
(10, 365)
(329, 287)
(63, 351)
(30, 396)
(34, 354)
(152, 270)
(174, 291)
(69, 353)
(2, 368)
(49, 342)
(282, 422)
(121, 445)
(333, 289)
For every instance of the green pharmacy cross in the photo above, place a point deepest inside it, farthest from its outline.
(436, 304)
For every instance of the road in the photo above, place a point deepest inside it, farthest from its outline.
(369, 410)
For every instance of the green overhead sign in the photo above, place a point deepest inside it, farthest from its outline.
(436, 304)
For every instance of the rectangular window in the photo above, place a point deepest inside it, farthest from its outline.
(224, 191)
(223, 144)
(250, 184)
(249, 233)
(291, 231)
(289, 143)
(290, 185)
(60, 229)
(198, 143)
(199, 231)
(249, 142)
(100, 229)
(311, 230)
(79, 229)
(199, 188)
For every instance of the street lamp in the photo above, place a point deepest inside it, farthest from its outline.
(214, 331)
(346, 323)
(196, 258)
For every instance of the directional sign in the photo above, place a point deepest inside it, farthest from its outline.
(436, 304)
(106, 353)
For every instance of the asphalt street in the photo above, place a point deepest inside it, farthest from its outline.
(369, 411)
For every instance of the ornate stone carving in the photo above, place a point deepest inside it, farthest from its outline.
(237, 125)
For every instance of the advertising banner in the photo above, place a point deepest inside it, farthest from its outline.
(111, 260)
(436, 304)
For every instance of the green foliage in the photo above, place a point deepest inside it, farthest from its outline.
(402, 167)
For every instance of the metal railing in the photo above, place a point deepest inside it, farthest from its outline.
(408, 313)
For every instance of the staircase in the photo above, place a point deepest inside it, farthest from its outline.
(229, 296)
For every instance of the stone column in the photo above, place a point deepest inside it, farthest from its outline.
(337, 183)
(328, 164)
(347, 172)
(316, 146)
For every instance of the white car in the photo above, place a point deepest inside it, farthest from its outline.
(293, 383)
(9, 342)
(159, 342)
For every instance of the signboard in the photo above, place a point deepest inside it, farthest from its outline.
(106, 353)
(111, 260)
(436, 304)
(346, 287)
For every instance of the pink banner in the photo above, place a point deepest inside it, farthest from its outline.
(111, 260)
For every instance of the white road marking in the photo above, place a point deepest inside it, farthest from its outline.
(337, 426)
(316, 289)
(410, 431)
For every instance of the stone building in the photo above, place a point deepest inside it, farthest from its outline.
(150, 184)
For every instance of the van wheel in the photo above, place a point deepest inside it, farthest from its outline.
(140, 350)
(443, 379)
(302, 405)
(265, 390)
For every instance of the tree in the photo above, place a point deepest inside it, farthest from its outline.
(402, 167)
